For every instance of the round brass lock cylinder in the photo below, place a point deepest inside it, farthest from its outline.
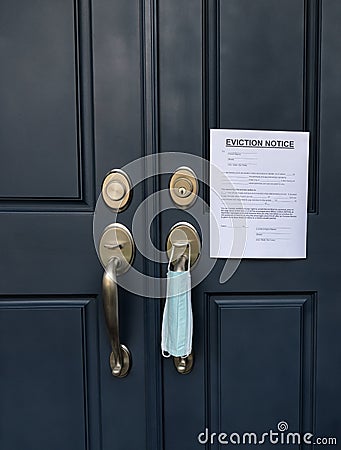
(116, 190)
(184, 187)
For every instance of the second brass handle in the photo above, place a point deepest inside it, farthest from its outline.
(183, 365)
(183, 235)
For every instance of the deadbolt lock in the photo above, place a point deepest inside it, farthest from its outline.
(184, 187)
(116, 190)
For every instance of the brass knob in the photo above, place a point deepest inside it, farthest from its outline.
(116, 190)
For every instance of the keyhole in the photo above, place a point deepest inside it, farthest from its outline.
(182, 191)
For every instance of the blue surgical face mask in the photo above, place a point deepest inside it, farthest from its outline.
(177, 323)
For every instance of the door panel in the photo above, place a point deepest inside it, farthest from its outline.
(117, 72)
(39, 98)
(61, 69)
(261, 356)
(118, 140)
(88, 86)
(329, 360)
(260, 64)
(47, 347)
(179, 75)
(260, 337)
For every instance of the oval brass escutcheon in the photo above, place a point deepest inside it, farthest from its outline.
(184, 232)
(117, 241)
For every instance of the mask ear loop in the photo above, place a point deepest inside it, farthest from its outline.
(189, 257)
(172, 255)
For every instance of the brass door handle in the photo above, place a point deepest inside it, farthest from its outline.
(183, 365)
(120, 355)
(116, 250)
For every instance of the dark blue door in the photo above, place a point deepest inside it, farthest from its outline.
(89, 86)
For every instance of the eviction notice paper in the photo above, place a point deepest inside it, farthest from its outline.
(258, 194)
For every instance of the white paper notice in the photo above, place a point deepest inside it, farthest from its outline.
(258, 194)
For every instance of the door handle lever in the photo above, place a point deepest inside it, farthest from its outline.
(116, 251)
(120, 355)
